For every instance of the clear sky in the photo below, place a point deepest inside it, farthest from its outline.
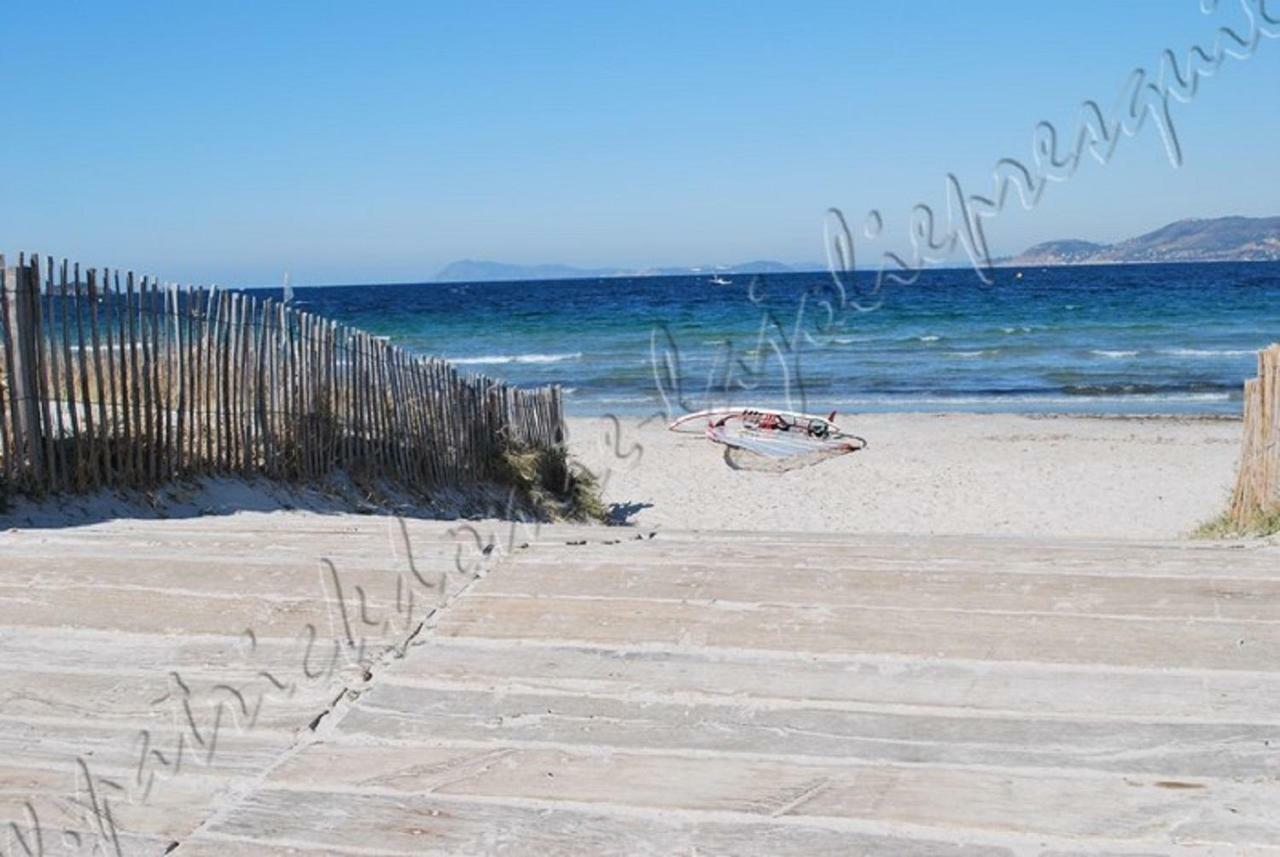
(373, 142)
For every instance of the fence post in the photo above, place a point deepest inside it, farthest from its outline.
(28, 442)
(9, 445)
(1257, 490)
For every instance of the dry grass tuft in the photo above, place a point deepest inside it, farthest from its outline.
(1226, 527)
(552, 485)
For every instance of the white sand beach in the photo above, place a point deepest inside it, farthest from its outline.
(991, 474)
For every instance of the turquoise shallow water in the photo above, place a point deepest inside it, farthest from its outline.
(1135, 339)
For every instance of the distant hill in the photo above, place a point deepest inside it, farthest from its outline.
(478, 270)
(1219, 239)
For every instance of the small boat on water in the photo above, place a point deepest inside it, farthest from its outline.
(718, 280)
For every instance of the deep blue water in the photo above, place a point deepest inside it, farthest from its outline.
(1133, 339)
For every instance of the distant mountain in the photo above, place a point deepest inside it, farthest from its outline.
(1220, 239)
(1070, 251)
(485, 271)
(475, 270)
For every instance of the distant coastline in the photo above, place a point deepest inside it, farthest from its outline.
(486, 271)
(1220, 239)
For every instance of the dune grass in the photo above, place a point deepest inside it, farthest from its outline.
(1226, 527)
(554, 486)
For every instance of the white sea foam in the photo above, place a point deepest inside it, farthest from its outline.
(1208, 352)
(929, 338)
(986, 352)
(491, 359)
(1114, 355)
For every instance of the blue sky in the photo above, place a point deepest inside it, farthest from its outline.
(376, 142)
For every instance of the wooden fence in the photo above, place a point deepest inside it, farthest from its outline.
(1257, 492)
(109, 380)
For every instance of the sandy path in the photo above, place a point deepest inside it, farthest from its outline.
(923, 473)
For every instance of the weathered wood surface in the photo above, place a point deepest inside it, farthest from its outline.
(681, 694)
(166, 684)
(686, 694)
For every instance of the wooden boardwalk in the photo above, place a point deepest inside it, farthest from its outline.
(689, 693)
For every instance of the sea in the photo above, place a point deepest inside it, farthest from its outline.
(1115, 339)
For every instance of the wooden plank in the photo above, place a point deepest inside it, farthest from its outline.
(164, 378)
(288, 423)
(921, 587)
(168, 611)
(244, 409)
(253, 386)
(234, 359)
(258, 431)
(180, 364)
(153, 700)
(40, 347)
(223, 358)
(851, 681)
(152, 379)
(964, 555)
(118, 436)
(350, 419)
(93, 475)
(335, 436)
(145, 381)
(305, 379)
(133, 384)
(956, 634)
(410, 824)
(271, 348)
(360, 390)
(116, 749)
(24, 374)
(193, 340)
(232, 658)
(1071, 804)
(53, 353)
(97, 357)
(7, 408)
(174, 421)
(378, 415)
(210, 388)
(1175, 749)
(364, 588)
